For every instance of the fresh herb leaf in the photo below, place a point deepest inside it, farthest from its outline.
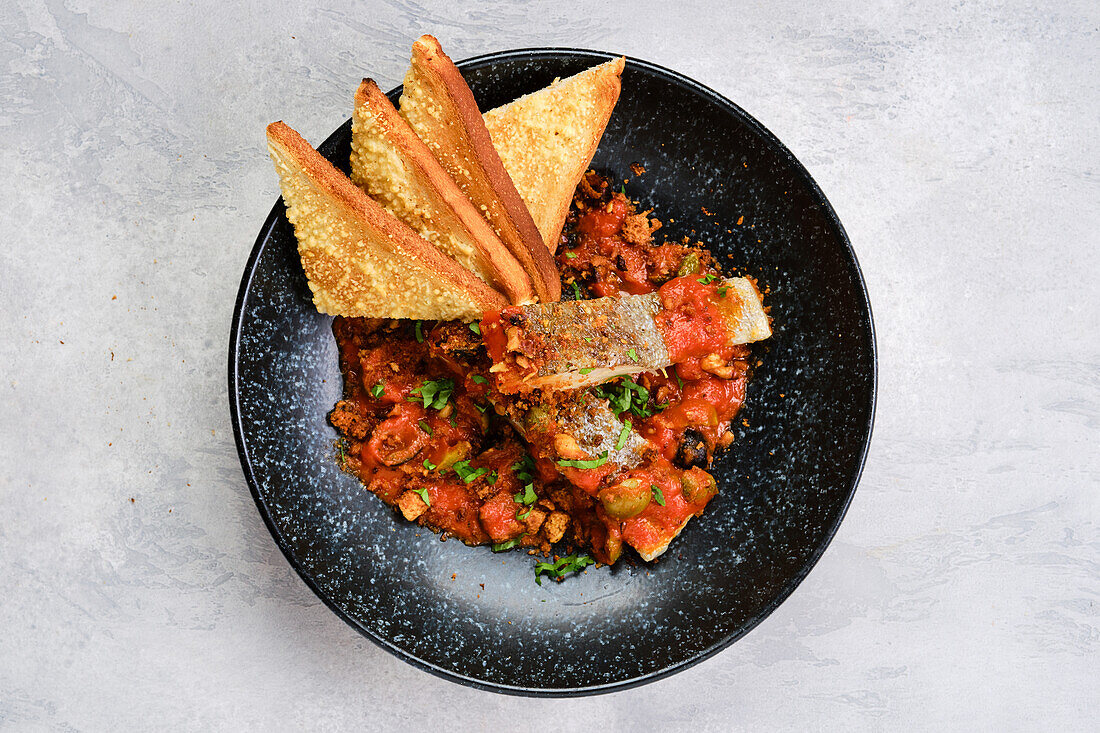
(475, 327)
(453, 419)
(429, 465)
(341, 451)
(524, 469)
(424, 496)
(425, 426)
(377, 390)
(658, 495)
(481, 408)
(581, 463)
(622, 189)
(679, 381)
(562, 566)
(524, 514)
(570, 255)
(478, 379)
(502, 546)
(419, 330)
(493, 478)
(623, 435)
(467, 474)
(587, 339)
(708, 279)
(626, 395)
(435, 393)
(722, 291)
(633, 355)
(587, 370)
(577, 290)
(527, 496)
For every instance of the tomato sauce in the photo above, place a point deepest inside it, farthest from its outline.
(425, 430)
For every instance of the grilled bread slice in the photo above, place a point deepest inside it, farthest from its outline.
(395, 168)
(547, 139)
(359, 259)
(441, 110)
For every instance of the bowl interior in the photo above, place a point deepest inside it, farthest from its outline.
(711, 173)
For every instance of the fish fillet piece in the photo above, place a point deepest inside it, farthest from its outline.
(580, 343)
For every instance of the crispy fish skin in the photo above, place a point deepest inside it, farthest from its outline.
(581, 343)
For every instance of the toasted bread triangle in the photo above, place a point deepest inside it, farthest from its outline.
(546, 140)
(397, 169)
(441, 110)
(359, 259)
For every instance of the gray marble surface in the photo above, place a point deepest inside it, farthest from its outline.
(958, 143)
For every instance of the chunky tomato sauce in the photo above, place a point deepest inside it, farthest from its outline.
(424, 428)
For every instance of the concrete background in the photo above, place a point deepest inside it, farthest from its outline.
(958, 143)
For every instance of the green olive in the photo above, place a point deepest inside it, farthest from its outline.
(697, 485)
(537, 419)
(689, 265)
(458, 452)
(626, 499)
(614, 547)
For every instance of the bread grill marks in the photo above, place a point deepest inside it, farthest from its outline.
(441, 110)
(546, 140)
(397, 169)
(359, 260)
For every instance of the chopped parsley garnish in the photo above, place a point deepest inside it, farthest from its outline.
(562, 566)
(722, 291)
(658, 495)
(377, 390)
(429, 465)
(581, 463)
(424, 496)
(425, 426)
(633, 355)
(623, 435)
(622, 189)
(435, 393)
(502, 546)
(588, 339)
(481, 408)
(475, 327)
(419, 330)
(587, 370)
(478, 379)
(570, 255)
(577, 290)
(523, 468)
(626, 395)
(679, 381)
(708, 279)
(341, 451)
(527, 496)
(493, 478)
(467, 474)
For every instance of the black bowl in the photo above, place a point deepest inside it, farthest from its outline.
(479, 618)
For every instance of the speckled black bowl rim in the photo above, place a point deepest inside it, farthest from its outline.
(797, 168)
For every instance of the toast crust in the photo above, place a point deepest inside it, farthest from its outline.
(546, 140)
(358, 258)
(397, 169)
(440, 108)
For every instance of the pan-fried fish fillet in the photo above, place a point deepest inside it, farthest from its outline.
(579, 343)
(358, 259)
(546, 140)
